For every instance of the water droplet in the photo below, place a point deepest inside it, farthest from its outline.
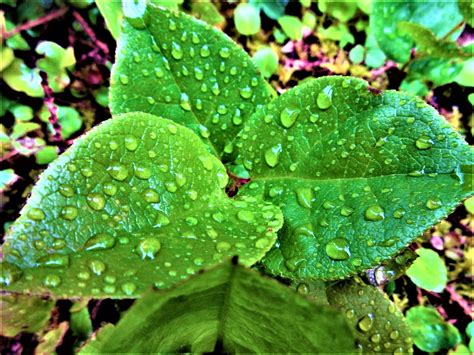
(338, 249)
(434, 204)
(191, 221)
(224, 52)
(223, 246)
(148, 248)
(366, 323)
(246, 92)
(288, 117)
(374, 213)
(52, 281)
(66, 190)
(118, 171)
(123, 79)
(129, 288)
(87, 172)
(36, 214)
(9, 273)
(142, 172)
(96, 201)
(176, 51)
(328, 205)
(305, 196)
(263, 243)
(131, 143)
(184, 102)
(205, 52)
(398, 213)
(302, 288)
(109, 189)
(424, 143)
(54, 261)
(97, 267)
(172, 128)
(69, 213)
(171, 186)
(159, 72)
(151, 196)
(272, 155)
(375, 338)
(207, 162)
(350, 313)
(324, 98)
(394, 335)
(346, 211)
(113, 145)
(101, 241)
(245, 216)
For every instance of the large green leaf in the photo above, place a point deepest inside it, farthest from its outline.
(228, 309)
(172, 65)
(137, 201)
(358, 174)
(23, 313)
(438, 16)
(379, 325)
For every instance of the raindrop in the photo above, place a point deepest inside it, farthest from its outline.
(9, 273)
(131, 143)
(424, 143)
(151, 196)
(66, 190)
(434, 204)
(366, 323)
(398, 213)
(97, 267)
(36, 214)
(245, 216)
(246, 92)
(176, 51)
(69, 213)
(54, 261)
(224, 52)
(52, 281)
(223, 246)
(184, 102)
(101, 241)
(288, 117)
(374, 213)
(305, 196)
(123, 79)
(129, 288)
(272, 155)
(142, 172)
(346, 211)
(205, 52)
(148, 248)
(338, 249)
(109, 189)
(118, 171)
(96, 201)
(324, 98)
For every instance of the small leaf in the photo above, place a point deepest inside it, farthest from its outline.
(267, 61)
(247, 19)
(430, 332)
(81, 324)
(7, 178)
(206, 315)
(46, 155)
(135, 202)
(428, 271)
(180, 68)
(378, 324)
(273, 9)
(358, 175)
(292, 26)
(21, 78)
(440, 17)
(51, 339)
(342, 10)
(23, 313)
(7, 57)
(113, 15)
(357, 53)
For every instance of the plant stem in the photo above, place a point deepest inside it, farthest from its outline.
(454, 29)
(30, 24)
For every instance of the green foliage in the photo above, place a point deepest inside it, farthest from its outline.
(357, 175)
(378, 323)
(247, 19)
(342, 10)
(291, 26)
(439, 17)
(428, 271)
(356, 54)
(266, 61)
(227, 309)
(113, 15)
(338, 32)
(22, 78)
(198, 77)
(22, 313)
(273, 9)
(207, 11)
(137, 193)
(7, 177)
(467, 10)
(46, 155)
(430, 332)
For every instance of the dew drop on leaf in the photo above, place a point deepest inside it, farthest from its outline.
(66, 190)
(288, 117)
(129, 288)
(366, 323)
(305, 196)
(118, 171)
(338, 249)
(272, 155)
(52, 280)
(374, 213)
(101, 241)
(69, 213)
(176, 51)
(54, 261)
(245, 216)
(223, 246)
(97, 267)
(151, 196)
(148, 248)
(142, 172)
(96, 201)
(434, 204)
(109, 189)
(324, 98)
(9, 273)
(246, 92)
(131, 143)
(36, 214)
(424, 143)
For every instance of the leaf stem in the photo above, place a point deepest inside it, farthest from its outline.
(454, 29)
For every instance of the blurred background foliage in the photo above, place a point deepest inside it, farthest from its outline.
(55, 65)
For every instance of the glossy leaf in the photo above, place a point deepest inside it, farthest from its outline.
(228, 309)
(135, 202)
(378, 324)
(430, 331)
(208, 12)
(22, 78)
(342, 10)
(428, 271)
(113, 15)
(267, 61)
(439, 17)
(292, 26)
(23, 313)
(358, 174)
(247, 19)
(183, 69)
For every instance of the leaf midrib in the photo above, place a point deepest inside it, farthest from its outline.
(222, 318)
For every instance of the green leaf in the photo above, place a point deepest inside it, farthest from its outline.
(428, 271)
(208, 12)
(466, 8)
(292, 26)
(267, 61)
(7, 57)
(469, 204)
(466, 74)
(113, 15)
(55, 62)
(356, 54)
(357, 174)
(23, 313)
(182, 69)
(430, 332)
(379, 325)
(46, 155)
(16, 41)
(342, 10)
(7, 178)
(81, 324)
(273, 9)
(247, 19)
(375, 57)
(427, 44)
(339, 32)
(51, 339)
(438, 16)
(228, 309)
(137, 201)
(415, 87)
(437, 71)
(69, 119)
(21, 78)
